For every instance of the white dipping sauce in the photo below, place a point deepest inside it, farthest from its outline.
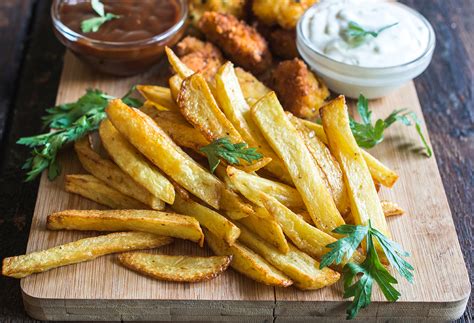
(397, 45)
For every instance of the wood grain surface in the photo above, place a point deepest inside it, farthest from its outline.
(427, 232)
(445, 91)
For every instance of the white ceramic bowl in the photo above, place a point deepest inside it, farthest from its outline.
(351, 80)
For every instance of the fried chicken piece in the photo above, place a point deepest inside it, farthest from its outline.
(283, 43)
(240, 42)
(198, 7)
(282, 12)
(200, 56)
(298, 89)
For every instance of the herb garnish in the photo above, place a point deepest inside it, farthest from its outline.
(371, 269)
(232, 153)
(356, 35)
(71, 121)
(93, 24)
(368, 135)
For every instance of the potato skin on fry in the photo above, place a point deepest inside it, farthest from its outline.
(202, 57)
(298, 89)
(240, 42)
(94, 189)
(79, 251)
(175, 268)
(160, 223)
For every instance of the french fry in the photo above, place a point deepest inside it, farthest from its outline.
(94, 189)
(134, 164)
(177, 128)
(266, 228)
(211, 220)
(112, 175)
(391, 208)
(247, 262)
(178, 66)
(380, 172)
(79, 251)
(327, 164)
(175, 86)
(300, 267)
(364, 201)
(199, 107)
(232, 102)
(160, 223)
(160, 96)
(288, 144)
(143, 133)
(252, 89)
(285, 194)
(175, 268)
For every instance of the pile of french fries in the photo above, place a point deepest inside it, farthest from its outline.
(270, 219)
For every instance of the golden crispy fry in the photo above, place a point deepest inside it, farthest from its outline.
(283, 43)
(288, 144)
(175, 126)
(391, 208)
(247, 262)
(159, 96)
(199, 107)
(327, 164)
(213, 221)
(232, 7)
(175, 268)
(298, 89)
(282, 12)
(240, 42)
(94, 189)
(301, 268)
(364, 201)
(202, 57)
(380, 173)
(134, 164)
(233, 104)
(178, 66)
(252, 89)
(267, 228)
(160, 223)
(79, 251)
(285, 194)
(175, 86)
(143, 133)
(112, 175)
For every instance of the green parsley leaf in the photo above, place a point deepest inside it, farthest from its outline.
(369, 271)
(71, 121)
(93, 24)
(98, 7)
(231, 153)
(356, 35)
(368, 135)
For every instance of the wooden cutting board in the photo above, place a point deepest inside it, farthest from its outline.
(103, 290)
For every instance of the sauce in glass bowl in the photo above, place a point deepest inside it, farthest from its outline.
(127, 45)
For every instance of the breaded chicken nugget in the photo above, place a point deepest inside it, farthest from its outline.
(283, 43)
(282, 12)
(240, 42)
(298, 89)
(200, 56)
(232, 7)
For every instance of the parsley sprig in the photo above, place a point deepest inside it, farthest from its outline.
(369, 271)
(93, 24)
(231, 153)
(71, 121)
(368, 135)
(356, 35)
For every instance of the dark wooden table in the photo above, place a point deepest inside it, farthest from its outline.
(31, 63)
